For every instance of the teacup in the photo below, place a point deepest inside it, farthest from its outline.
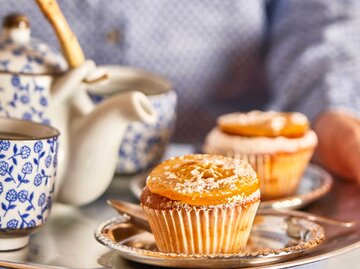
(28, 158)
(143, 145)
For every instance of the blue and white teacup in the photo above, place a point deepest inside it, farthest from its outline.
(143, 145)
(28, 158)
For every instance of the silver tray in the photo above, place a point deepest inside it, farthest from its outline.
(272, 239)
(67, 240)
(314, 184)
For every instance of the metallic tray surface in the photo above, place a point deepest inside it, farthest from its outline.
(272, 239)
(67, 240)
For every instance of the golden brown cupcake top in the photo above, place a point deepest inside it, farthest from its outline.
(269, 124)
(203, 180)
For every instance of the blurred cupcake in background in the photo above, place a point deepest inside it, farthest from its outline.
(278, 145)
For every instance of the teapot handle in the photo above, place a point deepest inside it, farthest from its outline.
(68, 41)
(63, 88)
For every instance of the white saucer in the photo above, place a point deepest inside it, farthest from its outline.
(12, 243)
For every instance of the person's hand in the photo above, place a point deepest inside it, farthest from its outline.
(339, 144)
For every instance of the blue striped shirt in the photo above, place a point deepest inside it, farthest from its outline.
(224, 55)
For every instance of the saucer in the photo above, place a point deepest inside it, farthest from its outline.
(314, 184)
(272, 239)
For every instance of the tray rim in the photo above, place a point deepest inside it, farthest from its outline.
(150, 257)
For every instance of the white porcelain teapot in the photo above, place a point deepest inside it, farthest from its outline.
(36, 85)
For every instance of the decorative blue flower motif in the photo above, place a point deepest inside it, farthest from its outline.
(4, 166)
(26, 68)
(25, 87)
(31, 224)
(27, 168)
(15, 81)
(18, 51)
(46, 122)
(12, 224)
(43, 101)
(4, 169)
(49, 202)
(55, 160)
(38, 146)
(42, 199)
(38, 180)
(24, 99)
(96, 98)
(11, 195)
(38, 88)
(27, 116)
(5, 64)
(38, 60)
(52, 143)
(25, 152)
(1, 188)
(4, 145)
(23, 196)
(48, 161)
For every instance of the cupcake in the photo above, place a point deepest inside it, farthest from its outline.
(201, 204)
(277, 145)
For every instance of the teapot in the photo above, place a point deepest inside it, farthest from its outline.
(36, 84)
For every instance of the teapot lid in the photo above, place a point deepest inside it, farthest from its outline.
(21, 54)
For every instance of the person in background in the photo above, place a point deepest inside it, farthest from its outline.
(226, 56)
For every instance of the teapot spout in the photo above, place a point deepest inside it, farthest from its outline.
(94, 145)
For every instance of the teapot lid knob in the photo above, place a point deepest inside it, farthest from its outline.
(16, 27)
(16, 20)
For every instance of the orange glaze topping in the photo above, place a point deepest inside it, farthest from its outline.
(203, 180)
(269, 124)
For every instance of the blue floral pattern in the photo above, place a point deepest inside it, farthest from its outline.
(27, 97)
(26, 182)
(12, 224)
(143, 145)
(4, 145)
(33, 58)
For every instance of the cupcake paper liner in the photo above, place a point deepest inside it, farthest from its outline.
(279, 173)
(202, 230)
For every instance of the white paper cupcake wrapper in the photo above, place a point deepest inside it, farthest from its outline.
(202, 231)
(279, 174)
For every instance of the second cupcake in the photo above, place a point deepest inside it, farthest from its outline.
(277, 145)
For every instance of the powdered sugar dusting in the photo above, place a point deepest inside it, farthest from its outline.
(203, 180)
(275, 120)
(298, 118)
(197, 174)
(251, 118)
(277, 123)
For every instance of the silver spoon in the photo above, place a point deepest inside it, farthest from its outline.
(134, 211)
(306, 215)
(138, 217)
